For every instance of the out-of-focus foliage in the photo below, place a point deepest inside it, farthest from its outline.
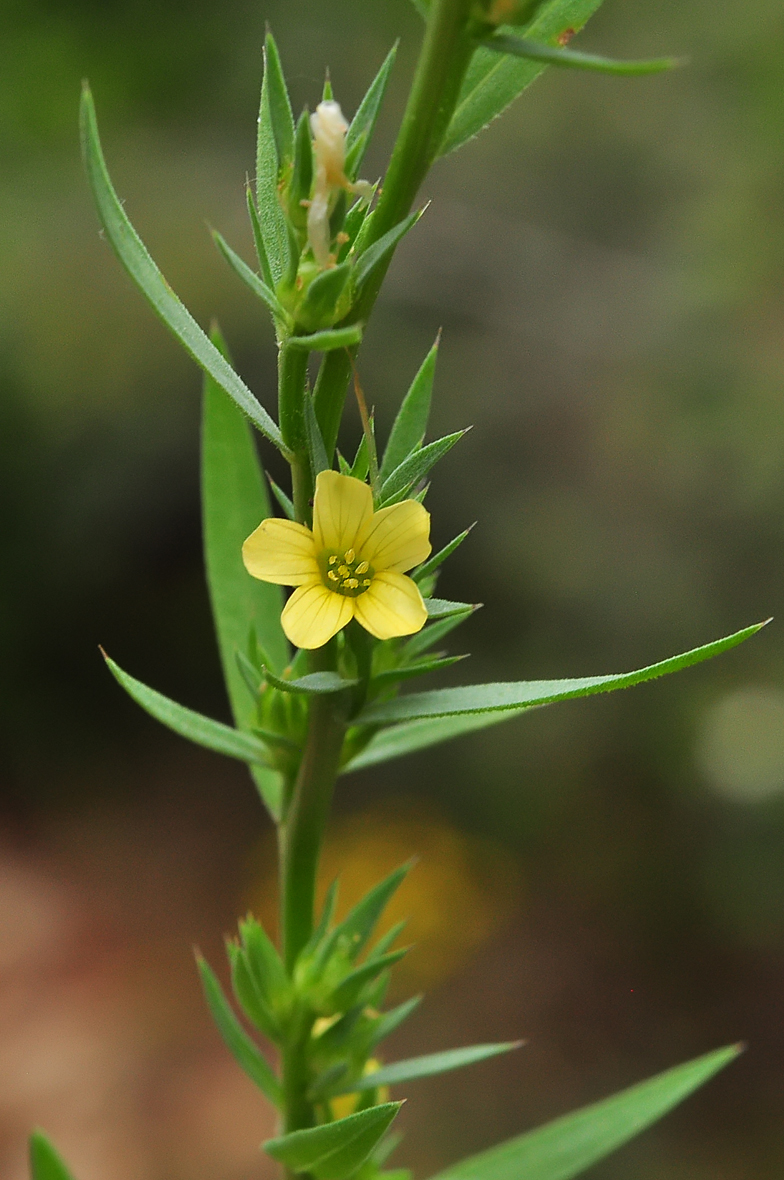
(606, 263)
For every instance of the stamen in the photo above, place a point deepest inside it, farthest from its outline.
(332, 559)
(362, 568)
(351, 583)
(333, 577)
(349, 556)
(344, 571)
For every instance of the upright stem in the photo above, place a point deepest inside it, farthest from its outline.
(443, 61)
(302, 829)
(292, 379)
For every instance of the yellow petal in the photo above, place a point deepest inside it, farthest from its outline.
(391, 606)
(341, 507)
(314, 614)
(281, 551)
(396, 538)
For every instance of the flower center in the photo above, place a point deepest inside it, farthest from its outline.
(345, 573)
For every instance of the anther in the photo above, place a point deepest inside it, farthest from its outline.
(333, 577)
(351, 583)
(344, 571)
(362, 568)
(348, 556)
(332, 559)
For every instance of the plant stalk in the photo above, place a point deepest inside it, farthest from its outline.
(292, 391)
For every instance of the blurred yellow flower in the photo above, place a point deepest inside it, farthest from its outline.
(352, 565)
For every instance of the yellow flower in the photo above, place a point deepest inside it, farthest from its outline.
(351, 566)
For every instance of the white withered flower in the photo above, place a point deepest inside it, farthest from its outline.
(329, 146)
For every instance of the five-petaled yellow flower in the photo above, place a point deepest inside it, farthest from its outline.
(352, 565)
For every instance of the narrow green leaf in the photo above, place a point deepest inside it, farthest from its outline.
(378, 254)
(479, 698)
(335, 1150)
(442, 608)
(317, 452)
(132, 253)
(422, 7)
(493, 81)
(281, 114)
(364, 120)
(359, 924)
(234, 501)
(432, 564)
(351, 988)
(391, 1020)
(302, 173)
(570, 59)
(409, 671)
(361, 466)
(274, 230)
(569, 1145)
(252, 280)
(314, 682)
(426, 1067)
(188, 724)
(265, 964)
(237, 1040)
(45, 1162)
(434, 632)
(411, 422)
(329, 339)
(416, 467)
(284, 501)
(410, 736)
(386, 940)
(258, 239)
(249, 997)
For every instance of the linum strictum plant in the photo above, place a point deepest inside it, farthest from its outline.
(315, 683)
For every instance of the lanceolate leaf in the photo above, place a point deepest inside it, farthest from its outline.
(271, 219)
(328, 340)
(442, 608)
(566, 1147)
(494, 81)
(132, 253)
(234, 501)
(45, 1162)
(416, 467)
(237, 1040)
(314, 682)
(411, 421)
(281, 115)
(377, 254)
(480, 698)
(409, 671)
(316, 450)
(571, 60)
(393, 1019)
(435, 632)
(367, 112)
(188, 724)
(358, 925)
(432, 564)
(257, 285)
(336, 1149)
(425, 1067)
(403, 739)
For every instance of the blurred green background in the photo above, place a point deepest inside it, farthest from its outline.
(605, 877)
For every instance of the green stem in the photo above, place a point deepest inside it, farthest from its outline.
(443, 61)
(292, 391)
(300, 837)
(302, 829)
